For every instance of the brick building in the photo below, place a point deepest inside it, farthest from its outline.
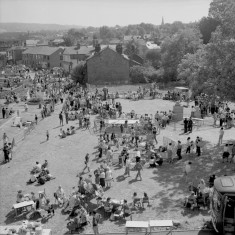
(43, 57)
(14, 54)
(108, 67)
(73, 55)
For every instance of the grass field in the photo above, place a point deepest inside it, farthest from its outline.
(166, 186)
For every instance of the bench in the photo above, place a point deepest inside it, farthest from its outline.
(161, 223)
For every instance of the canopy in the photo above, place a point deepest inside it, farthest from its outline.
(181, 89)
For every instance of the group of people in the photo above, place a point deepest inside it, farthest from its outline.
(40, 173)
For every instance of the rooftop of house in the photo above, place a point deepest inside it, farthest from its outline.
(152, 45)
(32, 41)
(113, 48)
(41, 50)
(83, 50)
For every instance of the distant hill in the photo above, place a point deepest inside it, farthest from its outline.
(33, 27)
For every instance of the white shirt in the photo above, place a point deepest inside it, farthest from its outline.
(187, 168)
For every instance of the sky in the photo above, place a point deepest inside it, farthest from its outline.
(102, 12)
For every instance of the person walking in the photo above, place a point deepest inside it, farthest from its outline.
(138, 168)
(95, 222)
(221, 134)
(61, 119)
(87, 165)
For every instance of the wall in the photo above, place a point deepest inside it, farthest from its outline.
(54, 59)
(108, 67)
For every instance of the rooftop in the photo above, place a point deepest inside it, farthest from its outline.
(41, 50)
(84, 50)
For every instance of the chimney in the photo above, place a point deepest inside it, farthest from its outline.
(97, 48)
(119, 48)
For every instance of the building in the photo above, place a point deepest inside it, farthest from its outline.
(14, 54)
(73, 55)
(43, 57)
(3, 59)
(31, 43)
(108, 66)
(6, 44)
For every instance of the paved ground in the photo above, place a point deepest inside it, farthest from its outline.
(166, 185)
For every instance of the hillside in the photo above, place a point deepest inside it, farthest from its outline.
(33, 27)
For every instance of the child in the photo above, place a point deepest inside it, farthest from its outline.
(47, 135)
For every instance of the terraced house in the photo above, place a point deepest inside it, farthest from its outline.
(73, 55)
(43, 57)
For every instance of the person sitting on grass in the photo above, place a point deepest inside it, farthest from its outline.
(145, 199)
(126, 210)
(136, 200)
(37, 168)
(152, 161)
(32, 179)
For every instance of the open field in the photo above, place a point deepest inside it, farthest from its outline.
(165, 185)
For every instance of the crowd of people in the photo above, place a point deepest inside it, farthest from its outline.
(132, 146)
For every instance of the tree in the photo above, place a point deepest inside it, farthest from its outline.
(224, 12)
(79, 74)
(207, 25)
(154, 56)
(174, 48)
(131, 48)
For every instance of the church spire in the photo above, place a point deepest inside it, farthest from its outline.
(162, 21)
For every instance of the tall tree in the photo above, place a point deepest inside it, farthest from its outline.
(174, 48)
(79, 75)
(207, 25)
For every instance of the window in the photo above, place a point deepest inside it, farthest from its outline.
(61, 57)
(48, 57)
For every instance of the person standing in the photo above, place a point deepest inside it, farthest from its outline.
(66, 117)
(221, 134)
(188, 144)
(179, 150)
(198, 146)
(138, 168)
(6, 152)
(187, 170)
(36, 119)
(185, 125)
(3, 112)
(47, 134)
(95, 222)
(127, 166)
(61, 119)
(190, 125)
(233, 153)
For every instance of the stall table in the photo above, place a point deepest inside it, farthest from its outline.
(22, 205)
(137, 226)
(160, 224)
